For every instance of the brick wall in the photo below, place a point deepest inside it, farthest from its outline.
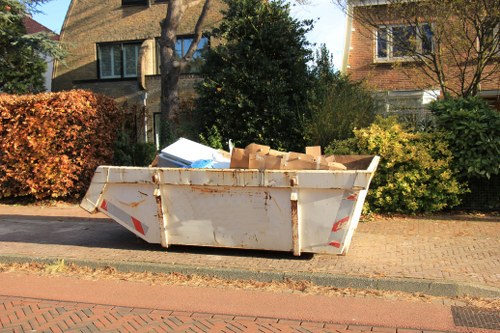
(362, 64)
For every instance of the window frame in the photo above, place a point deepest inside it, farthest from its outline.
(183, 37)
(123, 72)
(128, 3)
(390, 45)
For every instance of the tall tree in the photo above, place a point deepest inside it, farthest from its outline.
(21, 55)
(453, 43)
(256, 80)
(338, 104)
(172, 65)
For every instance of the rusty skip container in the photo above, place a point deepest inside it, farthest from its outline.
(313, 211)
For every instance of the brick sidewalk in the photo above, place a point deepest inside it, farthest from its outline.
(19, 315)
(457, 250)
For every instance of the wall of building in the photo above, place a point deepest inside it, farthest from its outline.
(401, 75)
(90, 22)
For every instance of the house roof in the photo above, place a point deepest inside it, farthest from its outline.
(33, 27)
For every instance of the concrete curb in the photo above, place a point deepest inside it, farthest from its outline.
(428, 287)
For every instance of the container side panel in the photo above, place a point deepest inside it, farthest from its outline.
(318, 210)
(130, 175)
(134, 207)
(225, 177)
(92, 197)
(226, 216)
(326, 180)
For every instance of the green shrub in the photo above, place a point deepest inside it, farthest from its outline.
(472, 130)
(414, 174)
(128, 153)
(51, 143)
(338, 105)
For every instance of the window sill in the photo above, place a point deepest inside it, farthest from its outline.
(394, 60)
(106, 80)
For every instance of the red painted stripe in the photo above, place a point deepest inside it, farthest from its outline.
(104, 205)
(335, 244)
(138, 225)
(352, 197)
(337, 226)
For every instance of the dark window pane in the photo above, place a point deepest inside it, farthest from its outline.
(426, 38)
(178, 47)
(403, 41)
(105, 61)
(130, 55)
(382, 43)
(134, 2)
(117, 60)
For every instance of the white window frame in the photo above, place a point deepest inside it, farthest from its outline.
(390, 53)
(123, 54)
(112, 62)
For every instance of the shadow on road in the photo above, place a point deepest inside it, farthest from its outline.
(105, 233)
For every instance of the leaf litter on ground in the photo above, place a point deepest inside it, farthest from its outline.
(60, 268)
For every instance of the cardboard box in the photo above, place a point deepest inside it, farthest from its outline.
(262, 157)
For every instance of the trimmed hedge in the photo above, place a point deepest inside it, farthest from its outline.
(51, 143)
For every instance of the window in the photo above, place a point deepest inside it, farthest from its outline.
(401, 41)
(493, 37)
(118, 60)
(181, 47)
(183, 43)
(134, 2)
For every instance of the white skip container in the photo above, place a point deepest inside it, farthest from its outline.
(313, 211)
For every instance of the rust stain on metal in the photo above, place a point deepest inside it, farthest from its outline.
(211, 189)
(132, 204)
(295, 228)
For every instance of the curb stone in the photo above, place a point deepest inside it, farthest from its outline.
(428, 287)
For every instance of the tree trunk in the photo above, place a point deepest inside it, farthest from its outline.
(171, 66)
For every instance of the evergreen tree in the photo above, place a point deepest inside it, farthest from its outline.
(256, 80)
(338, 105)
(21, 56)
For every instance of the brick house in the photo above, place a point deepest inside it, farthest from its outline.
(372, 55)
(33, 27)
(113, 50)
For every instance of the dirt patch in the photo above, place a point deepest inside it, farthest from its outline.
(297, 287)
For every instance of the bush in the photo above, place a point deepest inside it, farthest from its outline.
(129, 153)
(255, 82)
(338, 105)
(472, 130)
(51, 143)
(414, 174)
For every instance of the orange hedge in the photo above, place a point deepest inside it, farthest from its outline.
(51, 143)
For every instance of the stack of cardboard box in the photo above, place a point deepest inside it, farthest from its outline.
(256, 156)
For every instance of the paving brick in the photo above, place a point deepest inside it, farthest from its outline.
(359, 328)
(222, 317)
(311, 324)
(336, 326)
(384, 330)
(409, 247)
